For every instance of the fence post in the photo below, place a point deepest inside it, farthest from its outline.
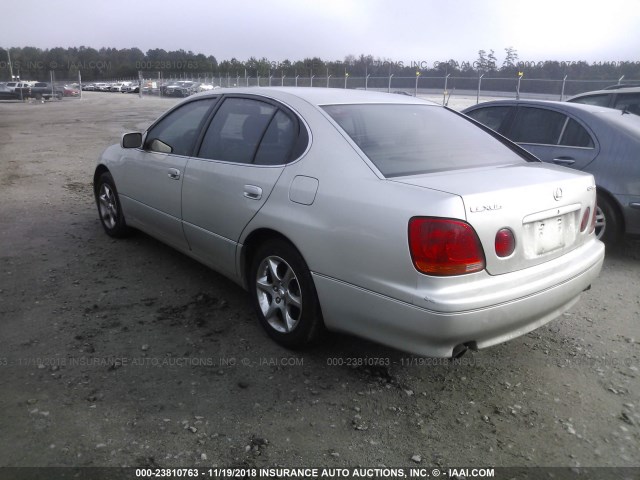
(80, 83)
(444, 94)
(479, 84)
(328, 77)
(366, 81)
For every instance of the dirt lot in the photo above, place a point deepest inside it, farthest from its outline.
(126, 353)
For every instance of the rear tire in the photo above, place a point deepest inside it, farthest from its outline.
(109, 209)
(284, 296)
(608, 223)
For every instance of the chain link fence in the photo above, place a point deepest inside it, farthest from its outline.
(160, 84)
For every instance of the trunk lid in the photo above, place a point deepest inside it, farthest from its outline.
(543, 205)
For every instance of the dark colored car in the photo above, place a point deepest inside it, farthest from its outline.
(180, 89)
(620, 98)
(601, 141)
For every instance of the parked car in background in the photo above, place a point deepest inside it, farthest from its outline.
(16, 86)
(381, 215)
(88, 87)
(622, 98)
(41, 91)
(70, 91)
(601, 141)
(181, 89)
(119, 87)
(102, 87)
(205, 87)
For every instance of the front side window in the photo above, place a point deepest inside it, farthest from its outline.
(414, 139)
(177, 132)
(537, 125)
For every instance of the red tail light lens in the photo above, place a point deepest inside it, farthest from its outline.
(593, 219)
(585, 219)
(505, 243)
(444, 247)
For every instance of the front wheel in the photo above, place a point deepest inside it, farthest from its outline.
(284, 295)
(111, 215)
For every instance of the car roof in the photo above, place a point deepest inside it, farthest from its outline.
(319, 96)
(590, 113)
(568, 107)
(608, 91)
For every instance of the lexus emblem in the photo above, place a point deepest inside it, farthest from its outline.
(557, 194)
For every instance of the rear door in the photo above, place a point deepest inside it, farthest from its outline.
(241, 156)
(553, 136)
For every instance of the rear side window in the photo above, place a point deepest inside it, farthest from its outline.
(236, 130)
(414, 139)
(250, 131)
(575, 135)
(277, 141)
(537, 125)
(492, 117)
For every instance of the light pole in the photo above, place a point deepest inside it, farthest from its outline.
(417, 78)
(389, 88)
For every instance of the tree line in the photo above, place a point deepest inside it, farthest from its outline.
(31, 63)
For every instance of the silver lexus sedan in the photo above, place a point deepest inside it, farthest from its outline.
(380, 215)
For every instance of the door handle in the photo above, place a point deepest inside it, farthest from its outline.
(174, 173)
(252, 192)
(564, 161)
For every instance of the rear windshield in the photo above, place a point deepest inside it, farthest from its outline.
(415, 139)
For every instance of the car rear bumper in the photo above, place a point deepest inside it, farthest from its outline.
(429, 332)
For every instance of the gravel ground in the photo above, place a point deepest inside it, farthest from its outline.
(126, 353)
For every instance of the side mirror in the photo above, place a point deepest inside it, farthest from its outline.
(131, 140)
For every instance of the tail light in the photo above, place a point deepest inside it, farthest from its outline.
(585, 219)
(593, 219)
(443, 247)
(505, 243)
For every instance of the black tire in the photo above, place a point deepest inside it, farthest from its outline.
(608, 222)
(109, 208)
(295, 320)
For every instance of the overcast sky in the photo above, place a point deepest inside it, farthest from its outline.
(399, 30)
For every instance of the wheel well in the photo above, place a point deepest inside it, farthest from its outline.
(100, 169)
(614, 204)
(255, 239)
